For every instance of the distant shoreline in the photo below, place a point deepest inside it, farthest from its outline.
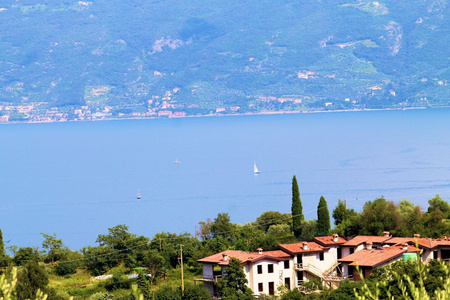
(228, 115)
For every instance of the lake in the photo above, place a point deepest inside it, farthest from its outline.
(78, 179)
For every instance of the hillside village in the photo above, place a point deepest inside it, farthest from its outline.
(330, 259)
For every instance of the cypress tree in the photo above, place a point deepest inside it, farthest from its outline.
(2, 245)
(296, 209)
(3, 260)
(323, 217)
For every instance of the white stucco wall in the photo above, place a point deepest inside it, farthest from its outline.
(427, 255)
(277, 277)
(330, 258)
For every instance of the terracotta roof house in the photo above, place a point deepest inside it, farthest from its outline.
(370, 258)
(431, 248)
(264, 270)
(358, 242)
(328, 258)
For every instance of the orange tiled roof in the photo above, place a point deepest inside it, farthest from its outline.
(244, 256)
(360, 239)
(218, 257)
(298, 248)
(421, 242)
(376, 257)
(329, 240)
(444, 241)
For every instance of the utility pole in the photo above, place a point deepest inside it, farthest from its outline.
(182, 275)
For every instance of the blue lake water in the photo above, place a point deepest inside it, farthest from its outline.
(78, 179)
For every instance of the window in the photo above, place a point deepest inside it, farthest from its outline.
(287, 282)
(271, 288)
(270, 268)
(339, 253)
(352, 250)
(259, 269)
(286, 264)
(300, 276)
(321, 256)
(260, 287)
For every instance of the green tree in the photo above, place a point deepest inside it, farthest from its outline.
(412, 218)
(323, 217)
(293, 295)
(96, 259)
(437, 203)
(308, 229)
(223, 227)
(143, 286)
(407, 280)
(168, 245)
(127, 247)
(204, 231)
(341, 213)
(282, 233)
(69, 262)
(8, 287)
(250, 238)
(2, 245)
(53, 247)
(297, 208)
(24, 255)
(3, 257)
(269, 218)
(233, 286)
(195, 292)
(154, 262)
(380, 215)
(30, 280)
(168, 293)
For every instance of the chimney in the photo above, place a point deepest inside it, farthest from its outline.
(335, 238)
(369, 245)
(305, 246)
(386, 233)
(406, 246)
(260, 250)
(225, 257)
(417, 236)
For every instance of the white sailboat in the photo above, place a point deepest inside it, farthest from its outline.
(138, 195)
(255, 169)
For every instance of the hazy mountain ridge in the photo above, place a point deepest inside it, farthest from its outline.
(121, 53)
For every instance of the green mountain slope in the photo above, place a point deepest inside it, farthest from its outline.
(204, 55)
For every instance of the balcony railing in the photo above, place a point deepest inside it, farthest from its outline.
(209, 278)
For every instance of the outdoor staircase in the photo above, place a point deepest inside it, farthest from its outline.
(329, 277)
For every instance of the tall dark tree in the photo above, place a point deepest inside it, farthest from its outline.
(296, 209)
(30, 279)
(323, 217)
(2, 245)
(233, 286)
(3, 260)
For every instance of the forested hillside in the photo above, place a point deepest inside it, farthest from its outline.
(62, 272)
(233, 56)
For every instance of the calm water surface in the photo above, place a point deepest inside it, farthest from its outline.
(78, 179)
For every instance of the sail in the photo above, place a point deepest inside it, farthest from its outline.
(255, 169)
